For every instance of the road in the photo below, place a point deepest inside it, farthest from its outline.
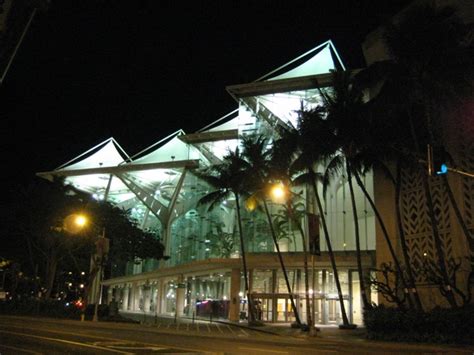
(25, 335)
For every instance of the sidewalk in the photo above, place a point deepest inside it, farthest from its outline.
(328, 334)
(278, 329)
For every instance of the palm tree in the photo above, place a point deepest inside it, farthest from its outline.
(256, 157)
(365, 142)
(431, 67)
(302, 149)
(293, 211)
(291, 214)
(386, 143)
(228, 179)
(343, 106)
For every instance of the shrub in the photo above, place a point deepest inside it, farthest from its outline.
(40, 307)
(439, 325)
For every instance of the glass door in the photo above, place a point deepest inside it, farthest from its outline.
(264, 308)
(281, 303)
(284, 310)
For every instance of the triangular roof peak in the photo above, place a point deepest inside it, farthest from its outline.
(105, 154)
(319, 60)
(150, 149)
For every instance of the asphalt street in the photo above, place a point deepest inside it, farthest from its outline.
(26, 335)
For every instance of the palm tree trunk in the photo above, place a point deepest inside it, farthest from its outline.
(457, 212)
(438, 244)
(345, 320)
(282, 264)
(51, 267)
(363, 289)
(386, 236)
(244, 262)
(434, 223)
(309, 318)
(403, 242)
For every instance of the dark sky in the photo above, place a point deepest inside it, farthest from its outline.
(139, 70)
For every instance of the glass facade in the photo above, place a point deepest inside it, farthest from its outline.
(160, 189)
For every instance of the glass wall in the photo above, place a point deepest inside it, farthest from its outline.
(169, 301)
(270, 292)
(199, 236)
(339, 215)
(208, 295)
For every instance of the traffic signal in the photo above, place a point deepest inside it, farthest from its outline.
(438, 160)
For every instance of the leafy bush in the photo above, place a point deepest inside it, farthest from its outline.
(439, 325)
(102, 311)
(39, 307)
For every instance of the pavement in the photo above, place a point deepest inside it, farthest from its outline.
(327, 334)
(223, 326)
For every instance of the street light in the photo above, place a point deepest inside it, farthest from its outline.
(73, 224)
(278, 192)
(102, 249)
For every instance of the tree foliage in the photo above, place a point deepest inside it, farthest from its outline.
(42, 243)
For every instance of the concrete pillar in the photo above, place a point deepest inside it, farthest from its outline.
(180, 296)
(146, 299)
(234, 307)
(134, 295)
(126, 295)
(324, 301)
(93, 292)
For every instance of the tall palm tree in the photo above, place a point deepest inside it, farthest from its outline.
(431, 67)
(292, 213)
(343, 106)
(303, 148)
(387, 142)
(256, 156)
(228, 179)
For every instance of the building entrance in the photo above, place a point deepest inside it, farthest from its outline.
(274, 308)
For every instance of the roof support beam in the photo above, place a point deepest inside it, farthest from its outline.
(115, 170)
(146, 197)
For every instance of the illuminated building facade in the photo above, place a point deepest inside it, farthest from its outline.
(204, 272)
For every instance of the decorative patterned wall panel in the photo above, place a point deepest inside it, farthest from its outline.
(466, 163)
(416, 221)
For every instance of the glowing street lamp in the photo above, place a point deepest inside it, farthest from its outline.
(278, 192)
(77, 222)
(74, 223)
(251, 203)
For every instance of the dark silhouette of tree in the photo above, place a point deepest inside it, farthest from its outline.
(228, 179)
(256, 156)
(431, 68)
(39, 217)
(302, 151)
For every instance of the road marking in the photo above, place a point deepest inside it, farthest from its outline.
(197, 327)
(208, 328)
(159, 325)
(243, 331)
(19, 349)
(65, 341)
(230, 328)
(264, 350)
(103, 338)
(309, 350)
(219, 328)
(153, 348)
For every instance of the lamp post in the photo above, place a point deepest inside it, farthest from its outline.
(97, 260)
(280, 193)
(102, 248)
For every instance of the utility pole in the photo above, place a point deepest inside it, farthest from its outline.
(25, 30)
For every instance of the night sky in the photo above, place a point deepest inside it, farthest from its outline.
(139, 70)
